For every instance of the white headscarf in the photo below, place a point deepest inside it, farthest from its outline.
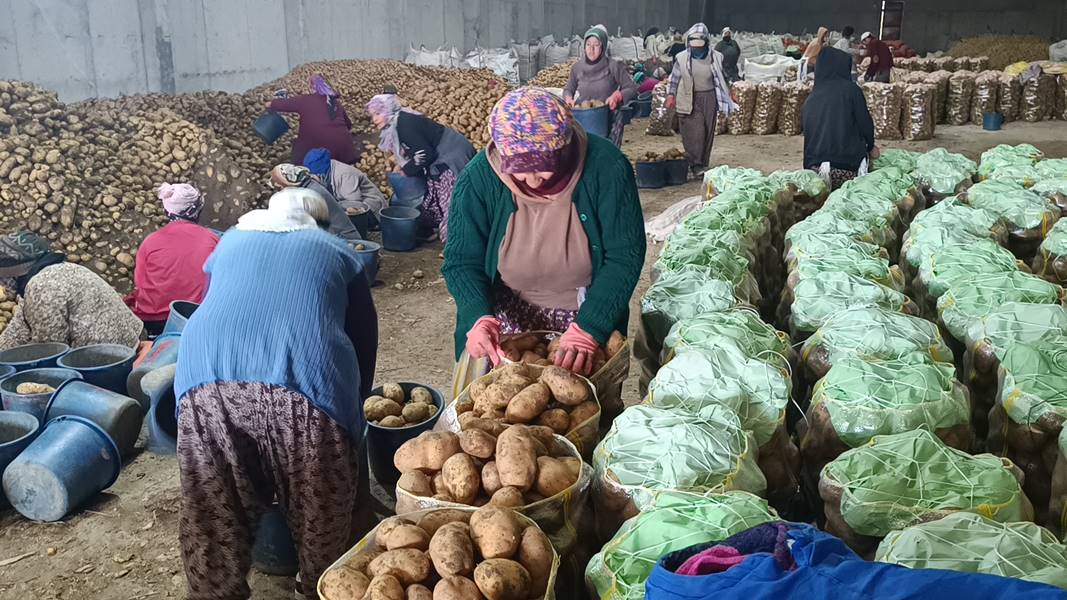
(291, 209)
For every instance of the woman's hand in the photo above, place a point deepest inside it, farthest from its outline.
(576, 350)
(615, 100)
(483, 340)
(670, 102)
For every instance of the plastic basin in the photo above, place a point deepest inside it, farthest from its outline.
(17, 430)
(399, 224)
(382, 442)
(164, 352)
(676, 171)
(163, 414)
(627, 113)
(992, 121)
(180, 313)
(6, 370)
(34, 404)
(650, 175)
(104, 365)
(33, 356)
(120, 416)
(270, 126)
(407, 191)
(594, 120)
(71, 461)
(274, 551)
(368, 256)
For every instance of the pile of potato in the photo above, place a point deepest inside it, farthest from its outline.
(489, 463)
(7, 307)
(518, 393)
(491, 553)
(377, 163)
(539, 349)
(555, 76)
(1002, 50)
(394, 408)
(672, 154)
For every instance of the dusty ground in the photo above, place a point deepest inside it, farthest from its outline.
(124, 545)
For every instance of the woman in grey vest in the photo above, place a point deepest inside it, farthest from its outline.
(698, 91)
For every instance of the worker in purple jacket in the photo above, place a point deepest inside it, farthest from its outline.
(323, 122)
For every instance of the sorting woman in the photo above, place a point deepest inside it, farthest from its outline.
(271, 374)
(323, 122)
(547, 233)
(698, 91)
(425, 149)
(601, 79)
(170, 261)
(61, 301)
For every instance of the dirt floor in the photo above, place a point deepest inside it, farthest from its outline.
(124, 545)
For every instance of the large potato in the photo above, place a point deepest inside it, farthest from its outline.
(427, 452)
(616, 343)
(461, 478)
(452, 551)
(498, 395)
(415, 483)
(386, 527)
(490, 478)
(582, 413)
(385, 587)
(392, 421)
(553, 477)
(418, 592)
(557, 419)
(493, 428)
(421, 395)
(394, 392)
(408, 565)
(432, 521)
(456, 588)
(535, 554)
(567, 388)
(528, 404)
(495, 531)
(507, 497)
(477, 389)
(477, 443)
(516, 458)
(342, 583)
(405, 536)
(544, 435)
(502, 579)
(416, 412)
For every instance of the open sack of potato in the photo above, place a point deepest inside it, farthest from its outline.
(490, 463)
(490, 553)
(809, 191)
(611, 366)
(902, 479)
(552, 397)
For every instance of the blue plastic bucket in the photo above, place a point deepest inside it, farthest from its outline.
(6, 370)
(627, 113)
(368, 256)
(650, 175)
(274, 551)
(163, 414)
(164, 352)
(71, 461)
(34, 404)
(407, 191)
(594, 120)
(992, 121)
(104, 365)
(399, 225)
(33, 356)
(676, 171)
(17, 430)
(362, 222)
(270, 126)
(180, 313)
(383, 442)
(120, 416)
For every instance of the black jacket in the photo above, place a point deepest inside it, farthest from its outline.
(415, 133)
(837, 125)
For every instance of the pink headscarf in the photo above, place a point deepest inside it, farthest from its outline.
(388, 106)
(181, 201)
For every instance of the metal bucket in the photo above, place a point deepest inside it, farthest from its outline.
(104, 365)
(120, 416)
(33, 356)
(34, 404)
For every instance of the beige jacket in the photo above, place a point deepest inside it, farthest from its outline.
(683, 98)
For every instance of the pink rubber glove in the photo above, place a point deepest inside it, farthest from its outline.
(483, 340)
(615, 100)
(576, 349)
(669, 103)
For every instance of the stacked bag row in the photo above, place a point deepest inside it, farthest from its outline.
(965, 96)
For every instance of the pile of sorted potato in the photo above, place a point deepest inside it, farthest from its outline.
(1002, 50)
(488, 463)
(490, 553)
(377, 163)
(538, 349)
(672, 154)
(7, 307)
(555, 76)
(32, 387)
(519, 393)
(394, 408)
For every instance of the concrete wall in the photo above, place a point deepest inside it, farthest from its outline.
(87, 48)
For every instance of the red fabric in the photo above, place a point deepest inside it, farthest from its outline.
(170, 266)
(878, 49)
(317, 129)
(647, 85)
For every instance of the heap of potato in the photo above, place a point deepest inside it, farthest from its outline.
(1002, 50)
(394, 408)
(539, 349)
(377, 163)
(555, 76)
(487, 463)
(520, 393)
(672, 154)
(491, 553)
(7, 307)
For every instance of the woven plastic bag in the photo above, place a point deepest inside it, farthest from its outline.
(945, 221)
(967, 301)
(971, 543)
(884, 101)
(917, 118)
(740, 121)
(1009, 97)
(986, 88)
(768, 104)
(826, 222)
(1028, 216)
(1051, 260)
(896, 157)
(720, 262)
(794, 94)
(960, 94)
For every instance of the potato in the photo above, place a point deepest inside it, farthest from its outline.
(394, 392)
(380, 409)
(385, 587)
(616, 343)
(428, 451)
(421, 395)
(386, 528)
(477, 443)
(574, 465)
(528, 404)
(418, 592)
(513, 380)
(464, 406)
(461, 478)
(416, 412)
(465, 418)
(582, 413)
(530, 357)
(493, 428)
(477, 389)
(368, 408)
(557, 419)
(415, 483)
(456, 588)
(495, 531)
(567, 388)
(498, 395)
(502, 579)
(392, 422)
(490, 478)
(553, 477)
(536, 555)
(511, 370)
(407, 565)
(507, 497)
(433, 521)
(405, 536)
(360, 562)
(342, 583)
(452, 551)
(543, 435)
(522, 343)
(516, 458)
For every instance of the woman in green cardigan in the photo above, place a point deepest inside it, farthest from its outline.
(546, 233)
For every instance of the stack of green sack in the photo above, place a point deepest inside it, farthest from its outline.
(947, 222)
(1004, 157)
(809, 191)
(956, 262)
(943, 174)
(1050, 263)
(1029, 216)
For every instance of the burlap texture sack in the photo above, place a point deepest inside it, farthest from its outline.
(960, 94)
(740, 120)
(768, 105)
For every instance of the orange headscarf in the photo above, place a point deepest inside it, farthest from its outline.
(816, 45)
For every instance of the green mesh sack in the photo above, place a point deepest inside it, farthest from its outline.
(868, 396)
(1017, 322)
(806, 182)
(895, 157)
(724, 178)
(961, 262)
(740, 327)
(1021, 175)
(968, 301)
(1003, 155)
(944, 171)
(1019, 207)
(874, 208)
(1051, 187)
(720, 262)
(876, 332)
(682, 295)
(700, 382)
(1052, 168)
(815, 245)
(1055, 241)
(921, 246)
(892, 182)
(650, 449)
(1034, 379)
(673, 521)
(954, 214)
(898, 480)
(854, 262)
(824, 222)
(971, 543)
(734, 211)
(820, 297)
